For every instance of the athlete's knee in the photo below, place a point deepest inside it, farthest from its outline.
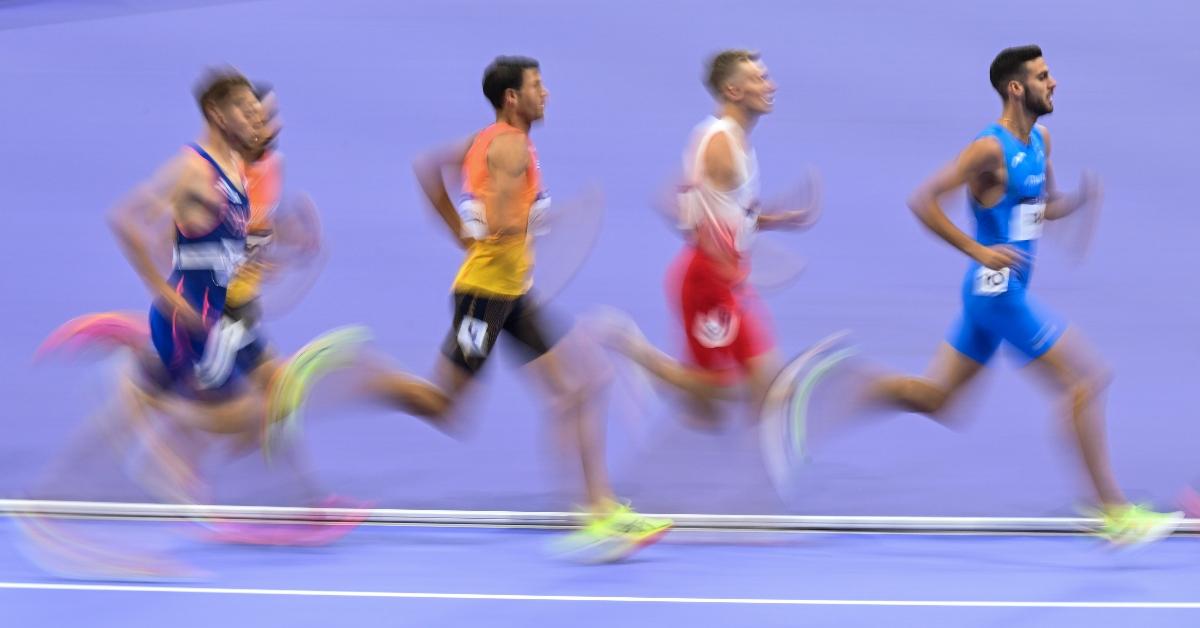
(264, 373)
(416, 396)
(431, 402)
(1086, 389)
(929, 398)
(574, 393)
(568, 400)
(914, 394)
(573, 373)
(1082, 383)
(1095, 384)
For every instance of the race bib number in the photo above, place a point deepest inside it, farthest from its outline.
(1027, 219)
(990, 282)
(235, 256)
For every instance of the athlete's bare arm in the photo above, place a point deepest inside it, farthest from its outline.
(430, 171)
(1058, 204)
(978, 160)
(787, 213)
(719, 167)
(181, 192)
(721, 172)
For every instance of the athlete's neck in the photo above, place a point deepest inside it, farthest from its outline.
(514, 120)
(215, 144)
(743, 118)
(1019, 120)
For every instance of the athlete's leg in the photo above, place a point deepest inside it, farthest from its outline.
(1059, 358)
(971, 343)
(108, 429)
(205, 366)
(708, 380)
(574, 398)
(574, 379)
(263, 368)
(624, 337)
(948, 373)
(710, 316)
(1041, 336)
(173, 473)
(753, 347)
(237, 414)
(698, 390)
(1063, 359)
(761, 371)
(478, 321)
(1084, 413)
(419, 397)
(477, 324)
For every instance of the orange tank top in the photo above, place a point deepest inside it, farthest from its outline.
(264, 186)
(497, 265)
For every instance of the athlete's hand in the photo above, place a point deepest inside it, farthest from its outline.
(669, 204)
(999, 256)
(801, 208)
(798, 218)
(1080, 228)
(1090, 192)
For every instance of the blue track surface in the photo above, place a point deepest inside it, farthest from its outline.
(718, 578)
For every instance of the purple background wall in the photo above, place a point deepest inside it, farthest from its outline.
(873, 94)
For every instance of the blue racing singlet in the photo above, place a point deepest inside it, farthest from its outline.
(1016, 219)
(203, 264)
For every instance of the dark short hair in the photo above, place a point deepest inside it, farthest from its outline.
(1010, 65)
(215, 87)
(503, 74)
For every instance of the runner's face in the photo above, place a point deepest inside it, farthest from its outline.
(531, 98)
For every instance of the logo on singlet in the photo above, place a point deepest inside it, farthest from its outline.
(715, 328)
(1017, 159)
(230, 194)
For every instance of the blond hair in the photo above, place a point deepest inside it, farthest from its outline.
(724, 65)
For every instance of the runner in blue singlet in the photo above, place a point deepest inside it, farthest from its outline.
(1009, 178)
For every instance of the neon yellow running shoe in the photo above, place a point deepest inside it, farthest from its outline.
(639, 529)
(328, 352)
(1137, 525)
(614, 536)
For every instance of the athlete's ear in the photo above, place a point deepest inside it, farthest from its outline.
(216, 116)
(1020, 87)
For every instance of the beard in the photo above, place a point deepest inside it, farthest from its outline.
(1037, 106)
(243, 146)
